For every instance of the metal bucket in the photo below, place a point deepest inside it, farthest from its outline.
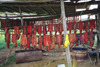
(28, 55)
(80, 54)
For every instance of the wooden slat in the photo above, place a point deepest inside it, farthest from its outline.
(24, 1)
(49, 4)
(95, 11)
(30, 10)
(98, 35)
(44, 10)
(67, 49)
(7, 9)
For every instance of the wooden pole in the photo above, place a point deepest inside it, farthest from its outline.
(21, 16)
(7, 57)
(21, 23)
(6, 15)
(98, 33)
(65, 33)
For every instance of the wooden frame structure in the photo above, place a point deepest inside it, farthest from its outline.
(50, 9)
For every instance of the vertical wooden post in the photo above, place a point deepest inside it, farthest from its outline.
(65, 32)
(97, 40)
(6, 15)
(98, 33)
(21, 23)
(21, 16)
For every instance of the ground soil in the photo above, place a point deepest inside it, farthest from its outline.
(54, 58)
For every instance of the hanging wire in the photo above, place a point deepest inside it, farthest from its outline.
(80, 13)
(83, 8)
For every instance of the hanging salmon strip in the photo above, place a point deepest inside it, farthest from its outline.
(8, 40)
(16, 30)
(39, 27)
(14, 37)
(55, 28)
(70, 26)
(92, 24)
(85, 38)
(86, 26)
(75, 27)
(81, 38)
(40, 42)
(44, 30)
(29, 29)
(24, 29)
(76, 40)
(60, 28)
(59, 40)
(4, 23)
(34, 30)
(34, 40)
(28, 43)
(50, 28)
(80, 26)
(72, 39)
(23, 39)
(53, 41)
(90, 42)
(6, 30)
(47, 41)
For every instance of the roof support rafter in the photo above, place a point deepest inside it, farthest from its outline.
(53, 10)
(24, 1)
(8, 9)
(13, 8)
(44, 10)
(30, 10)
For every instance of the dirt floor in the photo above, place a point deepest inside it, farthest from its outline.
(53, 58)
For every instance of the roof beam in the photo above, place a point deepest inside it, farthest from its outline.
(24, 1)
(44, 10)
(30, 10)
(32, 5)
(95, 11)
(2, 10)
(23, 10)
(7, 9)
(53, 10)
(13, 8)
(49, 4)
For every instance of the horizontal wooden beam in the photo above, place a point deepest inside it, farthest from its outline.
(39, 17)
(43, 10)
(94, 11)
(30, 10)
(57, 4)
(24, 1)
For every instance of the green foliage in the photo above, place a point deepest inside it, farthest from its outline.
(11, 60)
(8, 63)
(67, 66)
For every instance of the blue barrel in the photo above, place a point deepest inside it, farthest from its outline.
(80, 54)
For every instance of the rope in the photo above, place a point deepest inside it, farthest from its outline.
(83, 8)
(80, 14)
